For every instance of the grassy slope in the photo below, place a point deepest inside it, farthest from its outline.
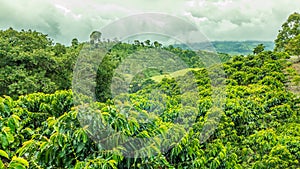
(174, 74)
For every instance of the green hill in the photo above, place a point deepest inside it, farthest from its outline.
(107, 105)
(229, 47)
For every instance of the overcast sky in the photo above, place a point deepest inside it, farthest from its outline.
(63, 20)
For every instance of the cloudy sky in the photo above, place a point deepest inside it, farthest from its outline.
(63, 20)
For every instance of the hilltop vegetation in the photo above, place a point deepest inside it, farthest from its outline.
(31, 62)
(231, 47)
(213, 111)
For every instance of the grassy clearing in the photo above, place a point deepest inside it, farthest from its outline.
(174, 74)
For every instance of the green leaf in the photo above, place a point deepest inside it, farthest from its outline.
(29, 131)
(20, 161)
(62, 154)
(16, 117)
(80, 147)
(4, 141)
(11, 124)
(26, 146)
(60, 140)
(10, 138)
(112, 163)
(15, 165)
(84, 135)
(4, 154)
(1, 164)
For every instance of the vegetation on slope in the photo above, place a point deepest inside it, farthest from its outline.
(258, 125)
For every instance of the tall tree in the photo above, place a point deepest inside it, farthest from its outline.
(75, 42)
(289, 30)
(95, 37)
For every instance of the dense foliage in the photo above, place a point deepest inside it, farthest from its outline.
(287, 37)
(257, 124)
(30, 62)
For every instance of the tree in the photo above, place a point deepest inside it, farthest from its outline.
(147, 42)
(30, 62)
(289, 30)
(157, 44)
(95, 37)
(75, 42)
(137, 42)
(259, 48)
(293, 46)
(59, 49)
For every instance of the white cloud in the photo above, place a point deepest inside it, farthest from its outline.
(242, 19)
(217, 19)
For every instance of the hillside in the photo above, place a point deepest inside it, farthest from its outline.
(230, 47)
(61, 110)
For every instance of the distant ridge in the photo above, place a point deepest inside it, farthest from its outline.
(230, 47)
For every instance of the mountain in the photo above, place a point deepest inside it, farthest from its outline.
(230, 47)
